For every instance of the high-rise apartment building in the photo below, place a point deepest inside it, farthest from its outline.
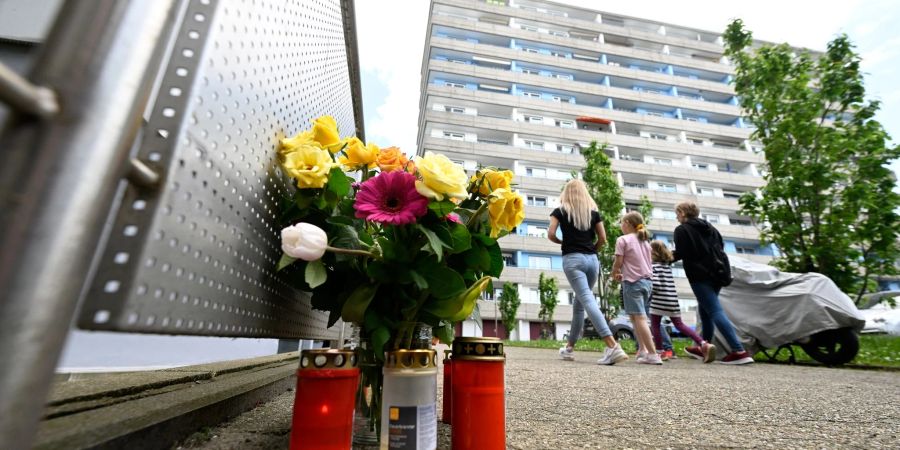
(525, 84)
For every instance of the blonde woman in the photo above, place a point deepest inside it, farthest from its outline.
(633, 268)
(582, 236)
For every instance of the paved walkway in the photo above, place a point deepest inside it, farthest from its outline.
(553, 404)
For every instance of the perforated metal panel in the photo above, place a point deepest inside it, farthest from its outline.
(197, 255)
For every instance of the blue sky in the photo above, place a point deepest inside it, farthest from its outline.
(391, 47)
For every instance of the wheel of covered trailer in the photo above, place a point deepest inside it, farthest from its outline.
(833, 347)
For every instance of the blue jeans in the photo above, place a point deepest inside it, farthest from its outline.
(712, 316)
(666, 339)
(581, 270)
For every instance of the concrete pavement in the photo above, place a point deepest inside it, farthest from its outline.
(552, 404)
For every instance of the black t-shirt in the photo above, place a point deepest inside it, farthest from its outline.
(575, 240)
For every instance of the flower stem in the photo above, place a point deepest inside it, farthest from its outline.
(474, 219)
(348, 251)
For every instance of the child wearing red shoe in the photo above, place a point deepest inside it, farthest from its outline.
(664, 302)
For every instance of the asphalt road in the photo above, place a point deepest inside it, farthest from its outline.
(553, 404)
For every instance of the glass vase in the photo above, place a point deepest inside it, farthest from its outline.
(366, 423)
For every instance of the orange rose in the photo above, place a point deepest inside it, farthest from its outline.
(392, 158)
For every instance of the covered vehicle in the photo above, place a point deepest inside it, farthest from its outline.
(771, 309)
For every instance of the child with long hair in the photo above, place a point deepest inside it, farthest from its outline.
(664, 301)
(582, 236)
(633, 268)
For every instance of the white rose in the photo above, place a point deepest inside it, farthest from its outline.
(304, 241)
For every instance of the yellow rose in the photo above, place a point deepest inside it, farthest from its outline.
(302, 139)
(488, 180)
(325, 132)
(358, 156)
(391, 158)
(309, 165)
(506, 210)
(440, 177)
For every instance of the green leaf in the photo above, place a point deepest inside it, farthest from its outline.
(380, 337)
(437, 246)
(421, 283)
(443, 282)
(441, 208)
(460, 306)
(285, 261)
(315, 273)
(496, 260)
(478, 257)
(355, 308)
(461, 238)
(338, 182)
(444, 332)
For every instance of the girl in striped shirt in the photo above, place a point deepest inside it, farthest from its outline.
(664, 300)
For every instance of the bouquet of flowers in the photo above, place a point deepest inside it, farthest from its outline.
(388, 243)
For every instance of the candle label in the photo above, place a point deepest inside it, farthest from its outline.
(412, 427)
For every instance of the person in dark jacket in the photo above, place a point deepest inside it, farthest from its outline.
(694, 239)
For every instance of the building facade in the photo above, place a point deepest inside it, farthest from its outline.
(524, 85)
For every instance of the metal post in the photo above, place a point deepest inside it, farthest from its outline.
(58, 178)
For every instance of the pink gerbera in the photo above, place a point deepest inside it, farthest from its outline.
(390, 197)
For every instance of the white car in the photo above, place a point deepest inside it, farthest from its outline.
(882, 317)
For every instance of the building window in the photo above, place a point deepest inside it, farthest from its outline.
(535, 172)
(740, 222)
(458, 61)
(691, 119)
(454, 136)
(530, 50)
(635, 185)
(669, 214)
(695, 141)
(655, 114)
(530, 94)
(537, 231)
(509, 261)
(658, 136)
(534, 145)
(662, 161)
(745, 250)
(528, 28)
(731, 194)
(558, 33)
(565, 123)
(562, 76)
(455, 109)
(700, 166)
(539, 262)
(455, 85)
(705, 191)
(711, 218)
(666, 187)
(627, 157)
(559, 98)
(534, 119)
(567, 149)
(557, 54)
(530, 71)
(534, 200)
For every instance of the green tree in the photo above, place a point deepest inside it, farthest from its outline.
(509, 305)
(829, 203)
(604, 188)
(547, 292)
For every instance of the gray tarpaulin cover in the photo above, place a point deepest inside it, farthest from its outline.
(769, 308)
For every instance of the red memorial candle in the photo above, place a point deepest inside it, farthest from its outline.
(478, 404)
(323, 406)
(448, 389)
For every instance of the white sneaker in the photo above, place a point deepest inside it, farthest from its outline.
(567, 354)
(612, 355)
(649, 358)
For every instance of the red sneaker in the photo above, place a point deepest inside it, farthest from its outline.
(736, 358)
(666, 355)
(694, 352)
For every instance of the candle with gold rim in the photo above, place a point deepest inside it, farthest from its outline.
(478, 403)
(323, 404)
